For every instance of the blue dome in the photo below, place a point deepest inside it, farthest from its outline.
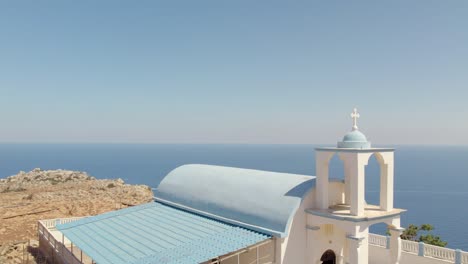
(354, 139)
(355, 136)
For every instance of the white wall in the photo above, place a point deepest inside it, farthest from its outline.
(328, 236)
(293, 247)
(297, 247)
(378, 255)
(407, 258)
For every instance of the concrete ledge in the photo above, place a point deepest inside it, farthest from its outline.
(342, 212)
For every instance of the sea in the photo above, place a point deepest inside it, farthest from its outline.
(431, 182)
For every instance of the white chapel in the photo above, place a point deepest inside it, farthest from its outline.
(223, 215)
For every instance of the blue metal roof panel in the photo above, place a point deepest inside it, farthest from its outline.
(156, 233)
(259, 200)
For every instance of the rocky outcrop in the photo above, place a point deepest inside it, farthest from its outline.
(38, 177)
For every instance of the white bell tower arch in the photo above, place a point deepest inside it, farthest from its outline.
(351, 216)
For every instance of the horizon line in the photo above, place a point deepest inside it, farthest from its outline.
(213, 143)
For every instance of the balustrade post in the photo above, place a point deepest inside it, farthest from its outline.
(388, 242)
(458, 256)
(358, 247)
(395, 244)
(421, 249)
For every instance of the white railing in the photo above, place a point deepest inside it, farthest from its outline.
(378, 240)
(410, 246)
(439, 252)
(464, 257)
(59, 249)
(69, 220)
(423, 250)
(50, 223)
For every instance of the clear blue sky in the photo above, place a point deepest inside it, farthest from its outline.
(233, 71)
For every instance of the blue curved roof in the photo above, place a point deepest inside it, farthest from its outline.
(260, 200)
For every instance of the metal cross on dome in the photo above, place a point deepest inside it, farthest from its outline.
(355, 115)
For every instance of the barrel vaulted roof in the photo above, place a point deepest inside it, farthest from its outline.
(259, 200)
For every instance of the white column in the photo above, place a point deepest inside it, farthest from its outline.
(395, 245)
(355, 164)
(386, 181)
(322, 160)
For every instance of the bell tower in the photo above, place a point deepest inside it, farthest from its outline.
(354, 150)
(346, 211)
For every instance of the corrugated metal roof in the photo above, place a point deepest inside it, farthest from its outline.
(156, 233)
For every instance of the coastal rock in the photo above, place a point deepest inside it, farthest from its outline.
(37, 177)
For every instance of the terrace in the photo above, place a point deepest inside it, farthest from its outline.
(57, 247)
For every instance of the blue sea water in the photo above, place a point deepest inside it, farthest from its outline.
(430, 181)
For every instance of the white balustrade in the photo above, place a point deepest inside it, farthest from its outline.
(69, 220)
(50, 223)
(410, 246)
(439, 252)
(378, 240)
(464, 257)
